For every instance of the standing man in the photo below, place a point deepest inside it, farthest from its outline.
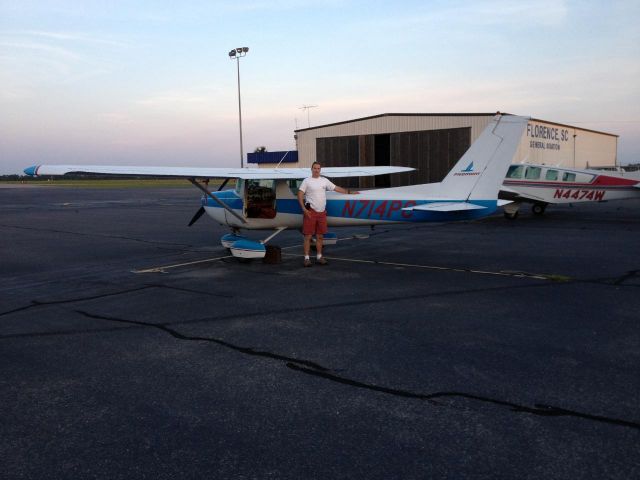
(312, 197)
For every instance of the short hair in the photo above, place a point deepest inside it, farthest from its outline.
(315, 163)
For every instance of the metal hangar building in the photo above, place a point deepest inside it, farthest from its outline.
(433, 142)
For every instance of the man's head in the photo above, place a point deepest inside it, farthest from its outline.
(315, 169)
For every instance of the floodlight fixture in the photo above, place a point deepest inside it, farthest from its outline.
(235, 54)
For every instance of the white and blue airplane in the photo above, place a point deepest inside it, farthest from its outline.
(265, 198)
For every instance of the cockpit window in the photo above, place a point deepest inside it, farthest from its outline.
(568, 177)
(515, 171)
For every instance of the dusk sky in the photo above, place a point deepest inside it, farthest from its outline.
(151, 83)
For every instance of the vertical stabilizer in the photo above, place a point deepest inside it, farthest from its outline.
(481, 170)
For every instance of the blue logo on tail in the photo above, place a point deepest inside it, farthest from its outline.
(469, 168)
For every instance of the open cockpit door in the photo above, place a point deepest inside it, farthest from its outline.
(260, 198)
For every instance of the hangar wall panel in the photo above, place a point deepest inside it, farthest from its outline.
(386, 124)
(431, 152)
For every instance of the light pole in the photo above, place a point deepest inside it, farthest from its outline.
(235, 54)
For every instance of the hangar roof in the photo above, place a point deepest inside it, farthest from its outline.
(490, 114)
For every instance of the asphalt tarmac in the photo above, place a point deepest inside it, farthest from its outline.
(132, 346)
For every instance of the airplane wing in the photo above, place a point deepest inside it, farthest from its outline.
(506, 189)
(203, 172)
(514, 194)
(445, 207)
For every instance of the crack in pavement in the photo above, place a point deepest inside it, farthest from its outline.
(180, 336)
(156, 243)
(537, 409)
(276, 311)
(263, 312)
(623, 278)
(37, 303)
(315, 369)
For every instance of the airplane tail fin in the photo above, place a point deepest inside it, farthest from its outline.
(480, 172)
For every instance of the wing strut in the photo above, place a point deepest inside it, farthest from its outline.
(216, 199)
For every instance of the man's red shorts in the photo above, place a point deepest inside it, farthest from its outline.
(316, 223)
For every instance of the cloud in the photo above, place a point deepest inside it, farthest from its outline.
(509, 13)
(32, 57)
(117, 119)
(75, 37)
(59, 52)
(442, 16)
(174, 99)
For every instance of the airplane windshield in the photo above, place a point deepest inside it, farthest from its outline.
(515, 171)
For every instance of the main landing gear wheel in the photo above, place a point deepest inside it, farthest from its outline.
(538, 208)
(511, 216)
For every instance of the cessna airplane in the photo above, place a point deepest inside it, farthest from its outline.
(265, 198)
(543, 185)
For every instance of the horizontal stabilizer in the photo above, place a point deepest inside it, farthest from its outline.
(446, 207)
(203, 172)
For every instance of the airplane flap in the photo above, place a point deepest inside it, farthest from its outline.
(446, 207)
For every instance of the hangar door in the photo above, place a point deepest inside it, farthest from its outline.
(431, 152)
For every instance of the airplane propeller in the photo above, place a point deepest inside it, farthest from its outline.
(197, 216)
(201, 210)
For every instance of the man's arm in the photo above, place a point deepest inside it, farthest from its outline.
(344, 190)
(301, 202)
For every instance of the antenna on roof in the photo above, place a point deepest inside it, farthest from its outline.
(307, 108)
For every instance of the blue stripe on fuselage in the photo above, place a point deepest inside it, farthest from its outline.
(375, 210)
(391, 210)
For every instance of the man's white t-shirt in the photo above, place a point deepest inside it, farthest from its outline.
(314, 190)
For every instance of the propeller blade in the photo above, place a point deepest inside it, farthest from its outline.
(197, 216)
